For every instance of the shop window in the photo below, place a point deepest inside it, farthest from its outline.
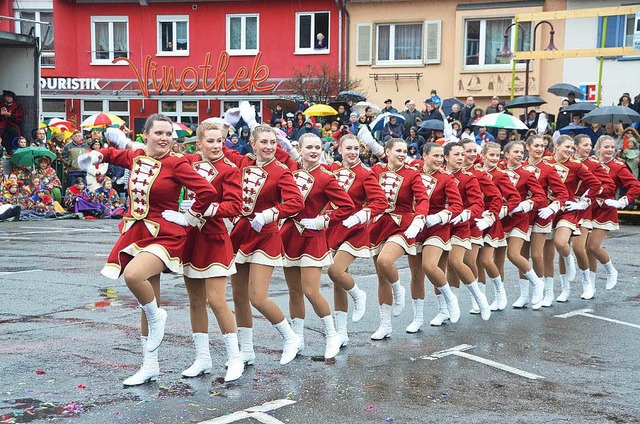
(119, 108)
(109, 39)
(484, 39)
(53, 108)
(43, 31)
(243, 34)
(620, 30)
(184, 111)
(173, 35)
(312, 33)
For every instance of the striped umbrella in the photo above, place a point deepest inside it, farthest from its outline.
(500, 120)
(180, 130)
(101, 120)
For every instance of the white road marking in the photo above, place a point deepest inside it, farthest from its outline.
(587, 313)
(18, 272)
(256, 412)
(460, 351)
(102, 255)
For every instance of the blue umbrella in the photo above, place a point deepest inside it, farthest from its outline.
(579, 129)
(447, 105)
(382, 119)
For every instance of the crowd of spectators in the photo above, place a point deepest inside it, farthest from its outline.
(46, 191)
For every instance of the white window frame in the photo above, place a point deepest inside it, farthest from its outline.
(179, 113)
(243, 51)
(392, 61)
(481, 49)
(105, 108)
(173, 19)
(110, 20)
(311, 50)
(40, 30)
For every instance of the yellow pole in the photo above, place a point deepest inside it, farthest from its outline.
(513, 64)
(603, 43)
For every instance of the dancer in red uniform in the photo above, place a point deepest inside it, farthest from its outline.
(306, 250)
(573, 174)
(434, 240)
(541, 248)
(491, 206)
(208, 254)
(350, 238)
(516, 224)
(494, 235)
(605, 211)
(393, 232)
(583, 147)
(149, 244)
(269, 193)
(473, 204)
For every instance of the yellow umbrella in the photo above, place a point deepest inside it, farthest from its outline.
(320, 110)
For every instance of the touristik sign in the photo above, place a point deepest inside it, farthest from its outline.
(205, 77)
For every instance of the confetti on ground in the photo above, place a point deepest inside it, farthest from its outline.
(369, 408)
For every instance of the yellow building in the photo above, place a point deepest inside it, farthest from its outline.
(404, 49)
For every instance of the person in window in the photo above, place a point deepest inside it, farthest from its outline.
(11, 117)
(169, 47)
(321, 42)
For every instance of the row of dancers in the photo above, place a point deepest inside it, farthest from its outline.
(455, 213)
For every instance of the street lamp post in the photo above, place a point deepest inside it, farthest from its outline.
(506, 50)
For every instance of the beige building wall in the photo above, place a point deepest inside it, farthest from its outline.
(449, 77)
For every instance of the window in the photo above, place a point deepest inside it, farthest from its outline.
(53, 108)
(47, 58)
(119, 108)
(399, 43)
(109, 38)
(242, 34)
(185, 111)
(173, 35)
(484, 39)
(312, 33)
(620, 30)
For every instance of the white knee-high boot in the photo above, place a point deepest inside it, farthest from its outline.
(150, 369)
(202, 363)
(235, 364)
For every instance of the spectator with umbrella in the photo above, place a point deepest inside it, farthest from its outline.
(467, 111)
(415, 138)
(564, 116)
(455, 113)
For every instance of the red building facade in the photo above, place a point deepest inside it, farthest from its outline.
(189, 60)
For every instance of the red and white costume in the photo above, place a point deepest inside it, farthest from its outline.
(574, 174)
(154, 186)
(403, 188)
(445, 201)
(595, 167)
(472, 203)
(529, 189)
(306, 247)
(361, 185)
(606, 217)
(554, 189)
(269, 188)
(208, 251)
(492, 202)
(494, 236)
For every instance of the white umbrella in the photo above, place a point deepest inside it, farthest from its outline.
(500, 120)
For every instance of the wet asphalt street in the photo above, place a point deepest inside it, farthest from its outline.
(68, 337)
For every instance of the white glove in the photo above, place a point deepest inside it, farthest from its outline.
(357, 218)
(503, 212)
(283, 141)
(433, 220)
(317, 223)
(232, 117)
(524, 206)
(545, 213)
(117, 137)
(365, 136)
(175, 217)
(86, 160)
(248, 113)
(258, 222)
(463, 217)
(576, 206)
(483, 223)
(186, 204)
(618, 204)
(416, 226)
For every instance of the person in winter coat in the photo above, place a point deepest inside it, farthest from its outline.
(392, 128)
(414, 137)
